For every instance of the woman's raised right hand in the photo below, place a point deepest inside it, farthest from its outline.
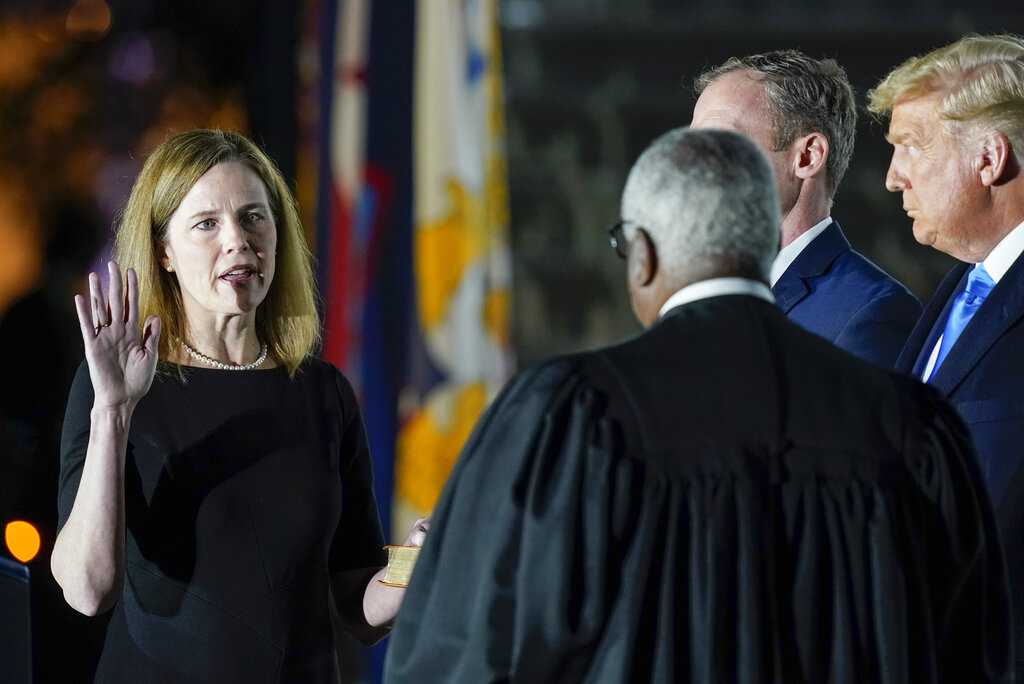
(122, 362)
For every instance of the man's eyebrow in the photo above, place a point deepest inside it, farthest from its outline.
(896, 138)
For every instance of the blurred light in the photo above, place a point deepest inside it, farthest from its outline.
(521, 14)
(113, 182)
(23, 54)
(22, 540)
(51, 28)
(133, 60)
(88, 20)
(21, 256)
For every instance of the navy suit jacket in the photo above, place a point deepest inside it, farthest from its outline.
(836, 293)
(983, 376)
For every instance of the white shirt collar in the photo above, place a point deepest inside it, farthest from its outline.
(716, 287)
(997, 264)
(788, 254)
(1002, 256)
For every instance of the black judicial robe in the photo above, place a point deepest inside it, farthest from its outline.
(724, 498)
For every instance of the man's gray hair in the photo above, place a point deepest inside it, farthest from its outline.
(704, 193)
(804, 95)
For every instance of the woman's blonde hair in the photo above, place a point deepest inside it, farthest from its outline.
(287, 319)
(981, 79)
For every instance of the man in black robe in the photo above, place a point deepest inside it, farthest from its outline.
(724, 498)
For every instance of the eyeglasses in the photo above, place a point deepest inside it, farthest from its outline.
(617, 236)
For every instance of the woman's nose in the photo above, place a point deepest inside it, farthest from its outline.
(235, 237)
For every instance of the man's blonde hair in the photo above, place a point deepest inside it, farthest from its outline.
(287, 319)
(980, 80)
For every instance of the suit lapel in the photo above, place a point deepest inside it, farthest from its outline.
(1000, 310)
(918, 347)
(813, 262)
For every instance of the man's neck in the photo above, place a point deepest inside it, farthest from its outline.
(788, 254)
(809, 210)
(1004, 254)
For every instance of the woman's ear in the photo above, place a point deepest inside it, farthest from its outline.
(163, 258)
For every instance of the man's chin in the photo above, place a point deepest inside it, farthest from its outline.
(923, 235)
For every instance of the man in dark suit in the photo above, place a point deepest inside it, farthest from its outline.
(724, 498)
(957, 130)
(800, 112)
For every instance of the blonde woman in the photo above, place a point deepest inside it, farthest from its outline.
(216, 485)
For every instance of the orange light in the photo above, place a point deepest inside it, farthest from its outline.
(22, 540)
(88, 20)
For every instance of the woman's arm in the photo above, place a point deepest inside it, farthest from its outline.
(381, 602)
(369, 606)
(88, 554)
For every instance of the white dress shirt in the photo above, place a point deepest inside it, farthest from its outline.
(997, 263)
(788, 254)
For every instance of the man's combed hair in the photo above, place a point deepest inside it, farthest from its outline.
(979, 78)
(705, 193)
(287, 320)
(804, 95)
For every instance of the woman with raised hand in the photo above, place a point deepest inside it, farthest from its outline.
(216, 485)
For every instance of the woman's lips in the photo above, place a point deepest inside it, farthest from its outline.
(239, 275)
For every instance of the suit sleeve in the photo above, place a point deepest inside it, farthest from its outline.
(878, 330)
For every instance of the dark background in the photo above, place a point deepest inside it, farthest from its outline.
(84, 98)
(589, 87)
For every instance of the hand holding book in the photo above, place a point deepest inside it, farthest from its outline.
(402, 558)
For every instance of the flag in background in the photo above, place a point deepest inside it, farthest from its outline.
(459, 353)
(364, 226)
(415, 288)
(342, 243)
(364, 241)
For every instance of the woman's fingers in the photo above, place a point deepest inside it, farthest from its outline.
(117, 305)
(151, 335)
(418, 532)
(131, 300)
(115, 292)
(85, 320)
(98, 306)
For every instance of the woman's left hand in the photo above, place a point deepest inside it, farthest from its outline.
(418, 532)
(381, 602)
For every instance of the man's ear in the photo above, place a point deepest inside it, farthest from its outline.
(995, 160)
(643, 259)
(810, 154)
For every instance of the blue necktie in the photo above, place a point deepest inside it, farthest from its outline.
(979, 284)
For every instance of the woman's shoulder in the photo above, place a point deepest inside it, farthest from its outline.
(316, 368)
(319, 372)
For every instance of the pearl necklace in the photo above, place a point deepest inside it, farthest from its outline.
(224, 366)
